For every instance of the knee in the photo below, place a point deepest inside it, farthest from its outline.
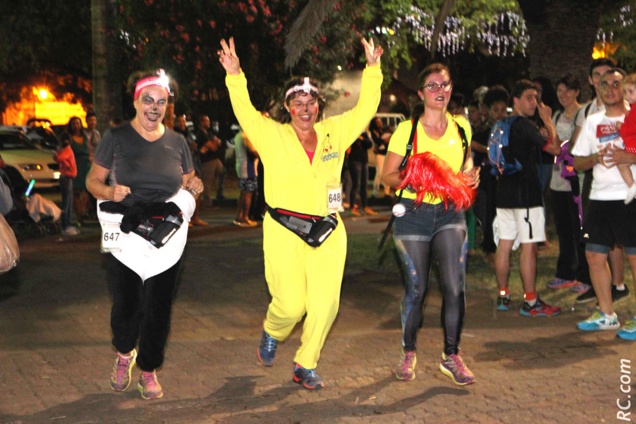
(288, 310)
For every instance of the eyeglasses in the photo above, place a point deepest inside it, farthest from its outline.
(434, 87)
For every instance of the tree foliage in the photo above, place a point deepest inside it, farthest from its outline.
(45, 44)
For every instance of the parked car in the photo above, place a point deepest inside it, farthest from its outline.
(24, 161)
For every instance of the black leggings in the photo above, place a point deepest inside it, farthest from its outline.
(447, 248)
(141, 311)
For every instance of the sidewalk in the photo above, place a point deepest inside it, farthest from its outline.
(56, 355)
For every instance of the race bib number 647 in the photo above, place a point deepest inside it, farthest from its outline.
(111, 237)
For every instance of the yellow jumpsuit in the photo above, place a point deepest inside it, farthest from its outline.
(303, 279)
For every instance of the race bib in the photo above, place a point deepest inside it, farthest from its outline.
(111, 237)
(334, 197)
(606, 132)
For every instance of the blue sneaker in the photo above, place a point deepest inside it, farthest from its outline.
(599, 321)
(308, 378)
(628, 332)
(266, 351)
(503, 303)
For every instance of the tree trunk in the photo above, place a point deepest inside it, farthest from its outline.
(562, 36)
(107, 90)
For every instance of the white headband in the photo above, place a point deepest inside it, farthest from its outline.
(307, 88)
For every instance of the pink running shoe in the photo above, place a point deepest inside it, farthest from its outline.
(120, 377)
(148, 386)
(406, 368)
(453, 366)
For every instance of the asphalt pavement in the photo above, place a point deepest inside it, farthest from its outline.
(56, 355)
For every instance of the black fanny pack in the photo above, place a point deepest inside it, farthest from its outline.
(314, 230)
(156, 222)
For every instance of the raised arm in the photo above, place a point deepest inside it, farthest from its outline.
(228, 57)
(373, 53)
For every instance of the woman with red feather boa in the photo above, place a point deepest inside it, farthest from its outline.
(437, 185)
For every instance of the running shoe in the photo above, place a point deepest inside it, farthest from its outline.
(120, 377)
(580, 287)
(308, 378)
(503, 303)
(370, 212)
(355, 211)
(539, 309)
(453, 366)
(148, 386)
(587, 296)
(266, 351)
(599, 321)
(560, 283)
(406, 368)
(628, 332)
(619, 294)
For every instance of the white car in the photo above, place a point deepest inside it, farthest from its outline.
(25, 162)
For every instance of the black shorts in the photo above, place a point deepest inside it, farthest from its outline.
(609, 223)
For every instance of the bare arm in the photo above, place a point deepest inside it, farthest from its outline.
(391, 169)
(583, 163)
(96, 185)
(470, 171)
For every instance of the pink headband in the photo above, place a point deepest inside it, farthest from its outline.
(161, 80)
(307, 88)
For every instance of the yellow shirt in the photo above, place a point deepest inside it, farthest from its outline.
(291, 181)
(448, 148)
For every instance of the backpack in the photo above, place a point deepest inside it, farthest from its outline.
(502, 161)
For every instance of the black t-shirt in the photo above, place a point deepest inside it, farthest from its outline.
(522, 189)
(202, 138)
(481, 137)
(360, 148)
(152, 169)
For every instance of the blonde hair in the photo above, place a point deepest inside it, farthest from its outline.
(630, 79)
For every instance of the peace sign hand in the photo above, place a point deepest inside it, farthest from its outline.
(228, 57)
(372, 53)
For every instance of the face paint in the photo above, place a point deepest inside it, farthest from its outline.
(293, 111)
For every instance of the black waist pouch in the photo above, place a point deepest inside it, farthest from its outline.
(313, 230)
(156, 222)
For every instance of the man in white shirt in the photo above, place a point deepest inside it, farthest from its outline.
(608, 221)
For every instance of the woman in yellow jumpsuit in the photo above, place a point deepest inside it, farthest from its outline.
(303, 159)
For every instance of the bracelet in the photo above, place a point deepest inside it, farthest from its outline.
(193, 192)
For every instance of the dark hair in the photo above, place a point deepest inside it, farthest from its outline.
(616, 70)
(433, 68)
(459, 99)
(372, 125)
(282, 115)
(604, 61)
(570, 81)
(521, 86)
(90, 114)
(69, 128)
(548, 93)
(65, 139)
(496, 93)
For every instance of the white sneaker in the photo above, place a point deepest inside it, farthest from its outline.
(70, 231)
(631, 194)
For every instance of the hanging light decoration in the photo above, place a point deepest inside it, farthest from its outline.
(505, 35)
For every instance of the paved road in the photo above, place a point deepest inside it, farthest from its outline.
(56, 356)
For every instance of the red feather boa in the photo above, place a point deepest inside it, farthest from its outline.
(428, 174)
